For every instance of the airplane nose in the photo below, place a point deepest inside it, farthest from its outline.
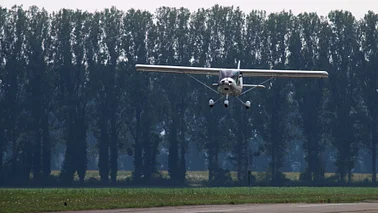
(226, 81)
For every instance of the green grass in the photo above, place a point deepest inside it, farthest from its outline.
(52, 199)
(37, 200)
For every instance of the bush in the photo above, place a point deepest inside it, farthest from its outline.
(279, 180)
(305, 176)
(222, 177)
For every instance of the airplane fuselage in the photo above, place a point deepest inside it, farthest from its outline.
(230, 82)
(228, 86)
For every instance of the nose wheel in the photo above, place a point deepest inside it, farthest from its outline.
(226, 102)
(211, 103)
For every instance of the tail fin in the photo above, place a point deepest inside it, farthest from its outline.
(239, 65)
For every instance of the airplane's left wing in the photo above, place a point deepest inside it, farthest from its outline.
(177, 69)
(283, 73)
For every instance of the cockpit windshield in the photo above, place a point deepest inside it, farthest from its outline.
(229, 74)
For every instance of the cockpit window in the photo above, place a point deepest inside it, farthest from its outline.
(229, 74)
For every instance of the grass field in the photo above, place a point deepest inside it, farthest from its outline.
(37, 200)
(53, 199)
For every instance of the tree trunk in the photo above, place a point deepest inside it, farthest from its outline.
(239, 160)
(26, 161)
(46, 150)
(182, 152)
(173, 156)
(147, 146)
(81, 139)
(37, 152)
(113, 149)
(103, 161)
(182, 164)
(374, 162)
(212, 149)
(2, 140)
(374, 148)
(274, 145)
(138, 157)
(154, 153)
(242, 155)
(70, 160)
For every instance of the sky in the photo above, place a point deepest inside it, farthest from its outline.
(322, 7)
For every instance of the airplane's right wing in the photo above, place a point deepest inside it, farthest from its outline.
(177, 69)
(283, 73)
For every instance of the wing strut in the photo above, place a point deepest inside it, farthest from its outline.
(256, 86)
(201, 83)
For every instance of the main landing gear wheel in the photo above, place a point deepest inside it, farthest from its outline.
(247, 104)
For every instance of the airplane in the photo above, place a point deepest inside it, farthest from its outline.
(230, 82)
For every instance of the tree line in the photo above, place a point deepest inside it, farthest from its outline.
(69, 73)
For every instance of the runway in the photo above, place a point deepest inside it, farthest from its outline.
(252, 208)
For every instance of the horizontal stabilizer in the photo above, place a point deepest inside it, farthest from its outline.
(254, 85)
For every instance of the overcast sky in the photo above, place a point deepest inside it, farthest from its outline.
(322, 7)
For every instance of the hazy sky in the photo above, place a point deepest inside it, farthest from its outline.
(322, 7)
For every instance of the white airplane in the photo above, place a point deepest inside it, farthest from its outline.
(230, 81)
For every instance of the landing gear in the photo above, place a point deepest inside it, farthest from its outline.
(211, 103)
(226, 102)
(247, 104)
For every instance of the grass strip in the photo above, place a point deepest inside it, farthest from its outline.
(53, 199)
